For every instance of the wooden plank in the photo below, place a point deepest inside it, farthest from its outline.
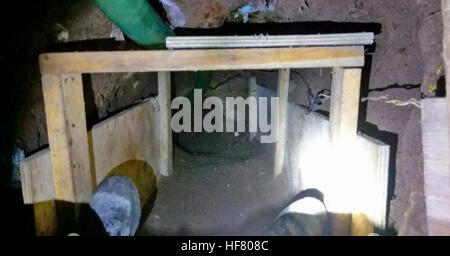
(165, 101)
(435, 140)
(129, 135)
(67, 135)
(372, 185)
(283, 95)
(257, 41)
(37, 181)
(344, 106)
(310, 162)
(194, 60)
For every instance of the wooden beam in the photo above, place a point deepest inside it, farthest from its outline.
(344, 107)
(283, 95)
(435, 140)
(194, 60)
(165, 101)
(67, 135)
(258, 41)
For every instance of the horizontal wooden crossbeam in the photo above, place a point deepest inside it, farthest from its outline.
(195, 60)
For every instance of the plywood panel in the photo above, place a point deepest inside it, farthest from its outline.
(130, 135)
(357, 186)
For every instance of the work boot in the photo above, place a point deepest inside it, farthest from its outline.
(116, 203)
(306, 215)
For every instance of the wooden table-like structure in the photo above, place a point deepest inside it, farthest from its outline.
(71, 157)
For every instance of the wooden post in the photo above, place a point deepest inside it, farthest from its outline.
(67, 135)
(344, 108)
(45, 218)
(283, 92)
(164, 99)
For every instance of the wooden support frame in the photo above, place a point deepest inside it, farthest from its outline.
(64, 104)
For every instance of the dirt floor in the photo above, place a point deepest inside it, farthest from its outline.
(404, 64)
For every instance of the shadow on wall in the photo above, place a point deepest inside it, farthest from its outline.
(371, 130)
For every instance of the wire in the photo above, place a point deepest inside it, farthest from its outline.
(399, 103)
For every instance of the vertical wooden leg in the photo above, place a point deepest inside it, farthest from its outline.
(283, 92)
(45, 218)
(67, 135)
(345, 93)
(345, 97)
(164, 99)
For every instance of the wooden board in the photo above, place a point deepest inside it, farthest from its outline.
(435, 140)
(258, 41)
(374, 167)
(195, 60)
(165, 101)
(344, 108)
(283, 95)
(129, 135)
(67, 135)
(310, 162)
